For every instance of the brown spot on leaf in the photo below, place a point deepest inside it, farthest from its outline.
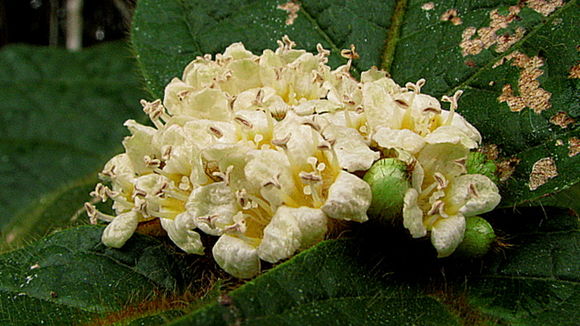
(474, 40)
(544, 7)
(573, 146)
(542, 171)
(575, 72)
(470, 63)
(491, 151)
(506, 168)
(292, 9)
(453, 16)
(428, 6)
(562, 119)
(531, 95)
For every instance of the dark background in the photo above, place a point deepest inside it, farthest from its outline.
(43, 22)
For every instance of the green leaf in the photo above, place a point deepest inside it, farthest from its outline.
(411, 42)
(376, 280)
(62, 118)
(71, 277)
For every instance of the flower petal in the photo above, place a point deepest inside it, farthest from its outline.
(212, 207)
(394, 138)
(139, 144)
(349, 197)
(291, 229)
(236, 256)
(183, 237)
(413, 215)
(350, 147)
(120, 229)
(447, 234)
(474, 194)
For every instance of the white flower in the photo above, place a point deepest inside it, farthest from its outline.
(259, 150)
(240, 150)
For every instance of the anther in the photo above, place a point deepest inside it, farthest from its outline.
(242, 121)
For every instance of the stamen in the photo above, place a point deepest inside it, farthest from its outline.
(472, 190)
(442, 182)
(282, 142)
(94, 214)
(308, 177)
(453, 105)
(322, 52)
(244, 122)
(350, 54)
(216, 132)
(437, 208)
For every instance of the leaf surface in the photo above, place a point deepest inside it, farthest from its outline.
(71, 277)
(62, 118)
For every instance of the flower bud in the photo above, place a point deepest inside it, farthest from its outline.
(389, 181)
(478, 238)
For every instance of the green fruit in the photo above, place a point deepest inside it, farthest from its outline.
(478, 238)
(389, 181)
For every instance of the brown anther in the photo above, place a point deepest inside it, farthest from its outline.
(281, 142)
(472, 190)
(259, 97)
(309, 177)
(350, 54)
(402, 104)
(183, 94)
(166, 155)
(110, 172)
(431, 110)
(436, 208)
(322, 52)
(216, 132)
(91, 212)
(312, 125)
(242, 121)
(151, 162)
(138, 192)
(100, 192)
(441, 181)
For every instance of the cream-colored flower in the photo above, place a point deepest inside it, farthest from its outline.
(446, 195)
(248, 148)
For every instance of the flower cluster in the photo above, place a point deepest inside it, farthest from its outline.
(261, 151)
(235, 154)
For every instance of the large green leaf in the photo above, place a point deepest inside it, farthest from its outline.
(71, 277)
(62, 118)
(411, 41)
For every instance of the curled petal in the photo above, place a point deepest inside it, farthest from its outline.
(399, 138)
(236, 256)
(120, 229)
(413, 215)
(451, 134)
(212, 207)
(474, 194)
(349, 197)
(460, 123)
(291, 229)
(447, 234)
(186, 239)
(139, 144)
(351, 149)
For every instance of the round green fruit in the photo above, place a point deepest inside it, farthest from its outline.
(389, 181)
(478, 238)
